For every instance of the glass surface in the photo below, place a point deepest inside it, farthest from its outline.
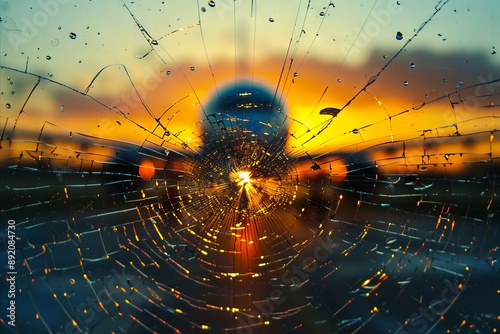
(247, 166)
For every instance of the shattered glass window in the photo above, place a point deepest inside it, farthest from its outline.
(246, 166)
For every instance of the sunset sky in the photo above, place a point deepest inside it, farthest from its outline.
(336, 48)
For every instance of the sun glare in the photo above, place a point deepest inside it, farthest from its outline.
(244, 178)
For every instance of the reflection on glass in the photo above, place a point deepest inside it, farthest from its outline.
(251, 167)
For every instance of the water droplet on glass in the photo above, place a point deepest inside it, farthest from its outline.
(192, 68)
(418, 104)
(355, 131)
(54, 42)
(48, 57)
(295, 74)
(322, 14)
(412, 65)
(339, 80)
(61, 109)
(154, 42)
(271, 19)
(72, 35)
(211, 3)
(11, 92)
(405, 83)
(458, 85)
(168, 73)
(7, 105)
(445, 80)
(203, 9)
(399, 35)
(59, 28)
(8, 23)
(118, 123)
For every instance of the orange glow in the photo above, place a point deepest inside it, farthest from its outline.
(338, 172)
(146, 170)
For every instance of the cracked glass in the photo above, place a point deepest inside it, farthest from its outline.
(245, 166)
